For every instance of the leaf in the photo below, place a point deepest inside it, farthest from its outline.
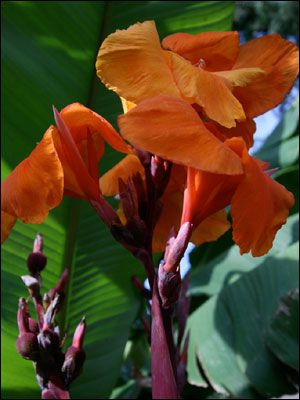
(282, 335)
(227, 331)
(229, 266)
(48, 57)
(281, 148)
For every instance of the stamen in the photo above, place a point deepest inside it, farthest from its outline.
(200, 64)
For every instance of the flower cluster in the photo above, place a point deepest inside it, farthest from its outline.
(41, 341)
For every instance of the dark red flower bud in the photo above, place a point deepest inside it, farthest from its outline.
(75, 355)
(27, 346)
(178, 247)
(169, 284)
(36, 262)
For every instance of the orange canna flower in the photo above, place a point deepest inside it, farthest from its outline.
(218, 174)
(228, 84)
(64, 162)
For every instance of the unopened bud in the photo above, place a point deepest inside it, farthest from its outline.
(27, 346)
(169, 284)
(75, 355)
(178, 247)
(36, 260)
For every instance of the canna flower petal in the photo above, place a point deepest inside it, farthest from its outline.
(170, 128)
(219, 50)
(131, 62)
(80, 118)
(244, 129)
(210, 229)
(130, 165)
(241, 77)
(279, 59)
(7, 223)
(199, 86)
(35, 186)
(260, 206)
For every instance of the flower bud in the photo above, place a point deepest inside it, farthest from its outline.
(27, 346)
(169, 284)
(75, 355)
(36, 262)
(178, 247)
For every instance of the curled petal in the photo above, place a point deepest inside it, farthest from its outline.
(207, 90)
(260, 206)
(241, 77)
(35, 186)
(131, 63)
(7, 223)
(219, 50)
(279, 59)
(170, 128)
(130, 165)
(80, 119)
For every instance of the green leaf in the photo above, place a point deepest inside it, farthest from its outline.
(281, 148)
(227, 331)
(229, 266)
(282, 335)
(48, 57)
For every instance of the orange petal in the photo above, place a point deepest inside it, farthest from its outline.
(244, 129)
(207, 193)
(279, 59)
(71, 185)
(211, 228)
(131, 63)
(170, 128)
(7, 223)
(208, 90)
(75, 160)
(241, 77)
(260, 206)
(130, 165)
(219, 50)
(170, 216)
(35, 186)
(79, 119)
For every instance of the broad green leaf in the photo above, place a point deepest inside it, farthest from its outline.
(48, 57)
(229, 266)
(282, 335)
(281, 148)
(227, 331)
(289, 177)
